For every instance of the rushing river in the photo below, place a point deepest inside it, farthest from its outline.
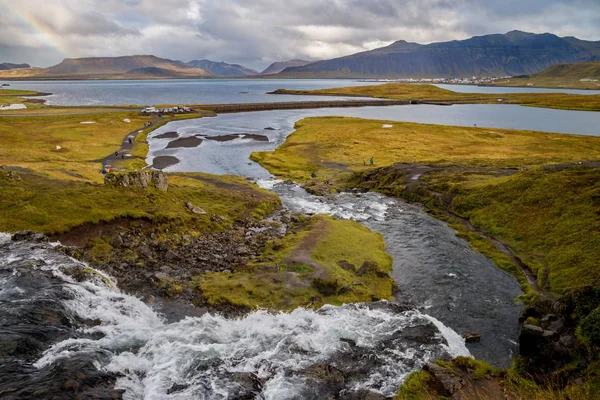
(435, 270)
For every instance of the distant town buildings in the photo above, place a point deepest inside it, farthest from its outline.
(457, 81)
(167, 110)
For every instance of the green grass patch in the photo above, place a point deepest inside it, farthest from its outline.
(424, 92)
(549, 217)
(326, 262)
(50, 205)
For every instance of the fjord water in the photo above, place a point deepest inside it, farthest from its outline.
(65, 327)
(212, 91)
(177, 91)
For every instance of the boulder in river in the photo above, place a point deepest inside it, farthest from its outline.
(29, 236)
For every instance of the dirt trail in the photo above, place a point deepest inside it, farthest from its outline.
(302, 254)
(126, 146)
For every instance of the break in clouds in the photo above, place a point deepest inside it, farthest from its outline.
(258, 32)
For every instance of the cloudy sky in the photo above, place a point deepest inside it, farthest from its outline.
(258, 32)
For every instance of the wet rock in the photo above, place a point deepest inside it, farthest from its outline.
(351, 342)
(423, 334)
(177, 387)
(249, 388)
(363, 394)
(185, 142)
(346, 265)
(318, 187)
(194, 209)
(29, 236)
(445, 381)
(328, 376)
(471, 337)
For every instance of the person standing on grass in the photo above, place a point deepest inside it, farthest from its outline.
(372, 161)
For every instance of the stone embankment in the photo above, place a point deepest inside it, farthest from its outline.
(299, 105)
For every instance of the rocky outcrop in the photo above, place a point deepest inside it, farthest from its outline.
(194, 209)
(319, 187)
(547, 336)
(446, 381)
(9, 174)
(138, 179)
(513, 53)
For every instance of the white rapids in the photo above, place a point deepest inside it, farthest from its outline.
(377, 344)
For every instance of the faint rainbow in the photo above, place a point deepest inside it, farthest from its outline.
(31, 23)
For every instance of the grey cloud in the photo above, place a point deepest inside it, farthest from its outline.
(94, 23)
(258, 32)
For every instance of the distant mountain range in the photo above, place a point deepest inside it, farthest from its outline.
(222, 68)
(279, 66)
(514, 53)
(5, 66)
(143, 65)
(127, 67)
(580, 70)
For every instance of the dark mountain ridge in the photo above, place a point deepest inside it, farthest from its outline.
(5, 66)
(513, 53)
(279, 66)
(115, 66)
(222, 68)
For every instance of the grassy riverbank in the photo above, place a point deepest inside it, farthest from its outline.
(494, 178)
(434, 94)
